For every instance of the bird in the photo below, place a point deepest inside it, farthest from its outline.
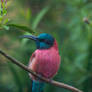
(45, 60)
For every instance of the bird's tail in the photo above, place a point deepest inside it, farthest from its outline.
(37, 86)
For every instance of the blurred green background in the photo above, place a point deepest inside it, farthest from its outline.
(64, 20)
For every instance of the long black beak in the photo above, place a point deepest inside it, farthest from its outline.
(30, 37)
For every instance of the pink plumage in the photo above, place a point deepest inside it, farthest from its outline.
(45, 62)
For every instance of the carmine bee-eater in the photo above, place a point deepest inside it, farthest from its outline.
(45, 60)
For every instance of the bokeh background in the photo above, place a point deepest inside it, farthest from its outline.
(64, 20)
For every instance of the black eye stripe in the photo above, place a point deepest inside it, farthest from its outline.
(44, 40)
(41, 40)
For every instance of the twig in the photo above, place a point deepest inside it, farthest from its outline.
(58, 84)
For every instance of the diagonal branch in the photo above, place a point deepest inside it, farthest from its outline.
(58, 84)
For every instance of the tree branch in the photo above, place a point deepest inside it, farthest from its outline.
(58, 84)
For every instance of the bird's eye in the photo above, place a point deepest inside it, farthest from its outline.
(44, 40)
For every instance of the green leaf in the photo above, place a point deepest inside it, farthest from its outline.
(25, 28)
(0, 9)
(1, 18)
(39, 17)
(5, 21)
(5, 27)
(28, 14)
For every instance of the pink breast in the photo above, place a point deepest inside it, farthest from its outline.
(46, 62)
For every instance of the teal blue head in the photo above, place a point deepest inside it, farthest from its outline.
(43, 41)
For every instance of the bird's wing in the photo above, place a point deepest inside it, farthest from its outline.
(33, 64)
(32, 61)
(32, 57)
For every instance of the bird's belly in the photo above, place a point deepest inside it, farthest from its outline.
(48, 69)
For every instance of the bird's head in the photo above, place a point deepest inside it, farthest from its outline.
(43, 41)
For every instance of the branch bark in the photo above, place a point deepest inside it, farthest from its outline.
(55, 83)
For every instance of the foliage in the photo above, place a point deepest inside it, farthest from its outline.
(61, 18)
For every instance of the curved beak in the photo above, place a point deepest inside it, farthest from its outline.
(30, 37)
